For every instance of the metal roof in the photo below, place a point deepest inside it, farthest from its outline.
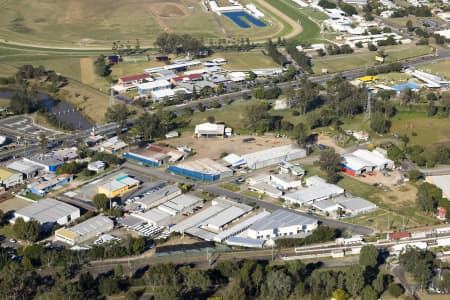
(225, 217)
(245, 242)
(241, 226)
(281, 218)
(98, 223)
(273, 153)
(47, 210)
(153, 216)
(22, 166)
(355, 203)
(197, 219)
(201, 233)
(314, 192)
(170, 191)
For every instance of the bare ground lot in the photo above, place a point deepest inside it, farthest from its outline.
(214, 147)
(14, 204)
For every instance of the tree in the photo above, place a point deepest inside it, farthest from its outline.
(409, 25)
(301, 134)
(368, 256)
(101, 202)
(100, 67)
(354, 278)
(414, 175)
(117, 113)
(340, 294)
(278, 285)
(379, 123)
(395, 290)
(368, 293)
(27, 230)
(211, 119)
(428, 197)
(257, 117)
(329, 162)
(138, 245)
(148, 127)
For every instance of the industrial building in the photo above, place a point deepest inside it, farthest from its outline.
(272, 156)
(361, 161)
(263, 188)
(209, 130)
(153, 216)
(158, 196)
(155, 155)
(96, 166)
(112, 145)
(285, 181)
(316, 189)
(442, 182)
(153, 86)
(28, 169)
(48, 182)
(240, 227)
(202, 169)
(48, 162)
(9, 178)
(215, 217)
(431, 81)
(48, 212)
(350, 205)
(65, 154)
(183, 204)
(118, 186)
(281, 223)
(85, 230)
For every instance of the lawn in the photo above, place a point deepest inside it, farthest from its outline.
(421, 129)
(230, 186)
(246, 60)
(441, 68)
(339, 63)
(86, 23)
(396, 205)
(7, 70)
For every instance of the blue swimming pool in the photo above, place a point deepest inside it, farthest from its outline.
(242, 19)
(409, 85)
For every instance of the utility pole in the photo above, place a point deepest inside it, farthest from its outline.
(111, 96)
(368, 115)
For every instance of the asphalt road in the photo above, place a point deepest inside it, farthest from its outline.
(216, 190)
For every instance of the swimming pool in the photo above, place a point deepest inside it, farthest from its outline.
(242, 19)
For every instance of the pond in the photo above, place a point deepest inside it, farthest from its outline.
(63, 111)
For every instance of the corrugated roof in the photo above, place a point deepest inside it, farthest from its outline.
(170, 191)
(98, 223)
(225, 217)
(47, 210)
(242, 225)
(314, 192)
(245, 242)
(281, 218)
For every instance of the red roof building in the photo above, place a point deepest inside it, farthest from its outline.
(191, 77)
(441, 213)
(399, 235)
(133, 79)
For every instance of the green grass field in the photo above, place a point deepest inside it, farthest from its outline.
(311, 31)
(339, 63)
(441, 68)
(86, 23)
(428, 131)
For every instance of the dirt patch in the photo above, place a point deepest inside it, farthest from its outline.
(87, 70)
(167, 10)
(330, 142)
(14, 204)
(389, 180)
(215, 147)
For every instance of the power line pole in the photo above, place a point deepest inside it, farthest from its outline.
(368, 115)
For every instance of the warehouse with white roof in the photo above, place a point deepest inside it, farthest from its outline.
(209, 130)
(361, 161)
(281, 223)
(272, 156)
(316, 189)
(158, 196)
(183, 204)
(48, 212)
(85, 230)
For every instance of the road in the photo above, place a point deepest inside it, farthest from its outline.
(216, 190)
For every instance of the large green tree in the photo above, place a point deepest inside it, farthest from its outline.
(428, 197)
(368, 256)
(329, 162)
